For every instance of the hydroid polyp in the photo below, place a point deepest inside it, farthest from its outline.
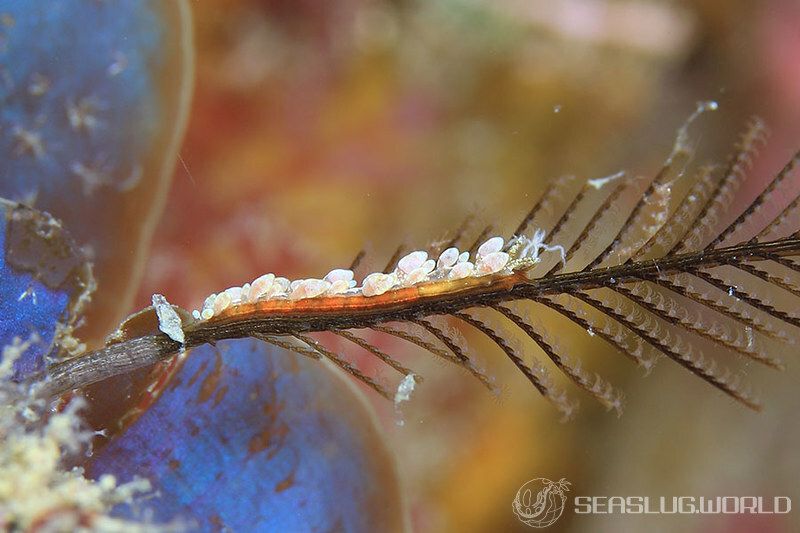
(675, 274)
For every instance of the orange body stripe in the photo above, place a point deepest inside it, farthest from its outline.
(356, 304)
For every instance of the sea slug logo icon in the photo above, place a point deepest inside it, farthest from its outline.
(540, 502)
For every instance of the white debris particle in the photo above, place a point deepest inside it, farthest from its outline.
(405, 389)
(168, 320)
(28, 292)
(598, 183)
(403, 394)
(750, 338)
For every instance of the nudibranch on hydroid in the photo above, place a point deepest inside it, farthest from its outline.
(650, 265)
(453, 270)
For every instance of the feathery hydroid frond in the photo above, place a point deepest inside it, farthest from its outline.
(670, 276)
